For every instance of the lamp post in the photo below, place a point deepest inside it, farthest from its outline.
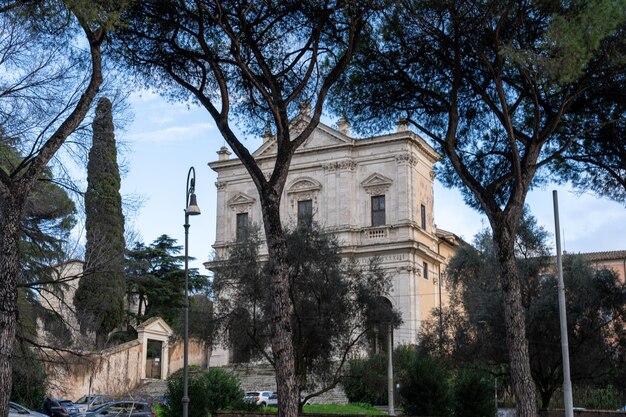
(191, 209)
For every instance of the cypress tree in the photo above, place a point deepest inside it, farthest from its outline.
(99, 299)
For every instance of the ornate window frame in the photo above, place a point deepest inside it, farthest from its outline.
(377, 184)
(303, 188)
(241, 202)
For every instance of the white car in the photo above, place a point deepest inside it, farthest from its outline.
(261, 398)
(16, 410)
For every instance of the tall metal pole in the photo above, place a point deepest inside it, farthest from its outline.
(191, 208)
(390, 400)
(567, 383)
(186, 322)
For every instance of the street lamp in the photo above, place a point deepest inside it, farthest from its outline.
(191, 209)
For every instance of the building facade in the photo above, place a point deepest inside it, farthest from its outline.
(375, 194)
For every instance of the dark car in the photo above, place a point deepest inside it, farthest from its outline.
(16, 410)
(121, 409)
(90, 402)
(62, 408)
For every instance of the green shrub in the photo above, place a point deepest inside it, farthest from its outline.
(425, 388)
(366, 379)
(29, 378)
(599, 398)
(473, 395)
(208, 391)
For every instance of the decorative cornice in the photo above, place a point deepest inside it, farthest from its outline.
(406, 158)
(345, 165)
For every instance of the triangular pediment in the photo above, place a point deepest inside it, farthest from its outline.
(376, 180)
(155, 325)
(323, 136)
(241, 199)
(376, 184)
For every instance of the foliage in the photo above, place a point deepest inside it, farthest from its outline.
(365, 379)
(156, 281)
(209, 391)
(47, 221)
(595, 312)
(29, 377)
(597, 163)
(250, 64)
(607, 397)
(473, 394)
(51, 73)
(494, 85)
(425, 391)
(99, 298)
(49, 217)
(335, 303)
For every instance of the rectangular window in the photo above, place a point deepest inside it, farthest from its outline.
(242, 226)
(378, 210)
(425, 269)
(423, 217)
(305, 213)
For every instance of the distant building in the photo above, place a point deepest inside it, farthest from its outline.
(58, 297)
(615, 260)
(375, 194)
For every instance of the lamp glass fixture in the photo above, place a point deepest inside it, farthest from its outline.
(192, 208)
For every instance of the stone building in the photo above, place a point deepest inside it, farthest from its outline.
(375, 194)
(615, 260)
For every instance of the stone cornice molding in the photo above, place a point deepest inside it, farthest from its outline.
(407, 158)
(345, 165)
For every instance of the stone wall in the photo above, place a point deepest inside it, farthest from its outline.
(199, 354)
(263, 377)
(113, 371)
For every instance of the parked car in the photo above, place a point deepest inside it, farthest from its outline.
(63, 408)
(89, 402)
(622, 409)
(272, 400)
(261, 398)
(121, 409)
(16, 410)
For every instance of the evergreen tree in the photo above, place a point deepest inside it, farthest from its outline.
(595, 314)
(495, 86)
(99, 298)
(156, 279)
(271, 61)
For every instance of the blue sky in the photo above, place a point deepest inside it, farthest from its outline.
(165, 139)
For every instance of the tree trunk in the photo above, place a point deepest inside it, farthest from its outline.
(515, 320)
(282, 310)
(9, 271)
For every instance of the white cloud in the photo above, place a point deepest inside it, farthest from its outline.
(173, 133)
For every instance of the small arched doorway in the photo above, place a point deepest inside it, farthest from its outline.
(382, 320)
(154, 334)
